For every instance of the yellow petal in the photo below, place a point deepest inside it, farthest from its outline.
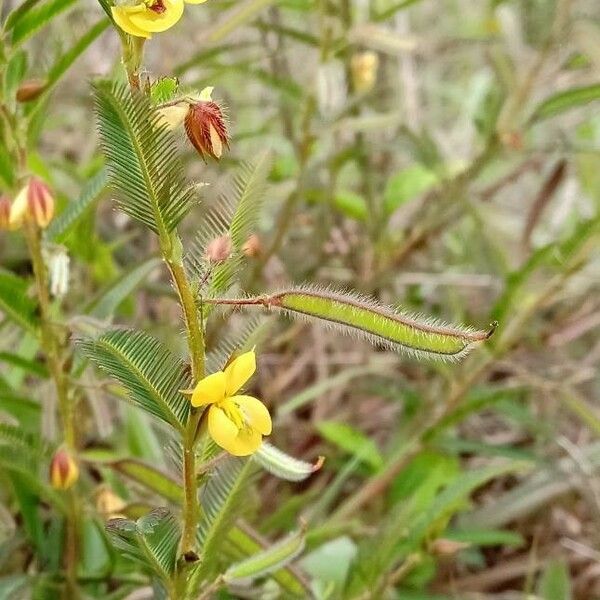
(150, 20)
(255, 413)
(18, 209)
(173, 116)
(205, 94)
(209, 390)
(245, 443)
(239, 371)
(221, 428)
(215, 142)
(122, 18)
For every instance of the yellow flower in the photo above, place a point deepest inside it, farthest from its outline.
(142, 18)
(145, 17)
(236, 423)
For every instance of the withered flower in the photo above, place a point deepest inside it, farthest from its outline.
(206, 129)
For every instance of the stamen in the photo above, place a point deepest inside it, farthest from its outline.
(158, 7)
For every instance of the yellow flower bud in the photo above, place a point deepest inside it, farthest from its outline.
(64, 471)
(364, 66)
(33, 203)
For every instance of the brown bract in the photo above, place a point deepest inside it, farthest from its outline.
(206, 129)
(5, 204)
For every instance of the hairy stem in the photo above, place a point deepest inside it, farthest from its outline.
(53, 348)
(133, 54)
(195, 335)
(171, 250)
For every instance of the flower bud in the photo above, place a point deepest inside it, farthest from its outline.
(364, 67)
(30, 90)
(219, 249)
(5, 204)
(33, 203)
(206, 129)
(64, 471)
(252, 246)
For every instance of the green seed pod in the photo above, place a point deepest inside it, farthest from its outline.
(352, 313)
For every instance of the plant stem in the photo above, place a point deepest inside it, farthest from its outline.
(195, 335)
(172, 252)
(52, 346)
(133, 54)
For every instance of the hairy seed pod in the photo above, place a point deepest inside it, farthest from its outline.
(206, 129)
(354, 314)
(64, 471)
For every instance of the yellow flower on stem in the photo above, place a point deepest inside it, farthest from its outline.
(142, 18)
(237, 423)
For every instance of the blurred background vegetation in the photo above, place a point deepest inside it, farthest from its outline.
(442, 155)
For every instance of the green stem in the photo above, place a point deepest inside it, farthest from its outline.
(172, 252)
(195, 335)
(52, 346)
(133, 54)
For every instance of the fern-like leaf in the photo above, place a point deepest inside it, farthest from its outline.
(235, 215)
(61, 225)
(149, 372)
(221, 500)
(150, 541)
(142, 159)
